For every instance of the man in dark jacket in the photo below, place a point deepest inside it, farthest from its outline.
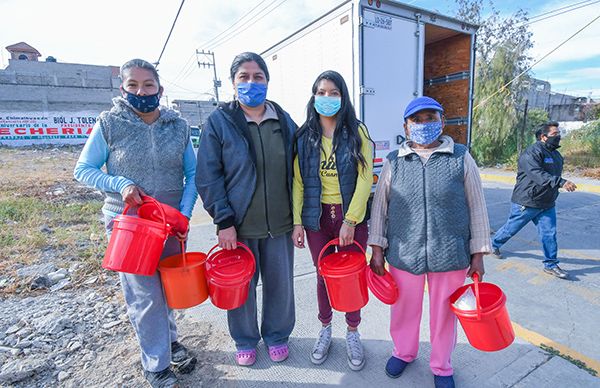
(534, 196)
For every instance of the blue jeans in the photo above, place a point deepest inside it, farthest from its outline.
(151, 318)
(544, 219)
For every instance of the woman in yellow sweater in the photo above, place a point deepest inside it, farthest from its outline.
(333, 174)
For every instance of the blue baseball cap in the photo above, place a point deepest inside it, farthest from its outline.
(421, 103)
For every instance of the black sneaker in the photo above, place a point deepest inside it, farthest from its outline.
(181, 359)
(163, 379)
(496, 254)
(557, 271)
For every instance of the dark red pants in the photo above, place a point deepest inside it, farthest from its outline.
(330, 224)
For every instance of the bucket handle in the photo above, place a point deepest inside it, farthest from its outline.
(475, 278)
(239, 244)
(149, 199)
(182, 242)
(336, 242)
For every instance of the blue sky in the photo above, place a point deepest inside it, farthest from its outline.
(109, 32)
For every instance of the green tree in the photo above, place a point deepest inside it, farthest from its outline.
(502, 47)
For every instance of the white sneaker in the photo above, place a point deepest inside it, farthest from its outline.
(321, 348)
(356, 356)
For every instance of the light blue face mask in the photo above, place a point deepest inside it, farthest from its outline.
(327, 106)
(425, 133)
(251, 93)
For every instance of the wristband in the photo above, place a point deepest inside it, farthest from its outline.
(349, 222)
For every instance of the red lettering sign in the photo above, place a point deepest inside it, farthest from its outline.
(19, 131)
(38, 131)
(52, 131)
(67, 131)
(4, 131)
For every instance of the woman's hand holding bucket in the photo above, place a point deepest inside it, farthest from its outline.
(228, 238)
(476, 266)
(377, 262)
(298, 236)
(132, 195)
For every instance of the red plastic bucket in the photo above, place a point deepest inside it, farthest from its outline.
(488, 328)
(345, 277)
(135, 244)
(151, 210)
(183, 279)
(228, 273)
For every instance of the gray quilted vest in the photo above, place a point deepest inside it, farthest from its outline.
(149, 155)
(428, 218)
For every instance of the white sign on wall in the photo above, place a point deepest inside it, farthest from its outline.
(20, 129)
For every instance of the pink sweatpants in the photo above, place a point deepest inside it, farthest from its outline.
(406, 316)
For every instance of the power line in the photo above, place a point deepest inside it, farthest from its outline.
(185, 67)
(559, 9)
(225, 40)
(535, 63)
(231, 26)
(239, 28)
(169, 36)
(560, 13)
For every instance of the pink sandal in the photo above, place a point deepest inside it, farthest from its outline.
(279, 353)
(245, 357)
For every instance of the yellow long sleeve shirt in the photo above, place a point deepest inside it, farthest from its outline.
(330, 185)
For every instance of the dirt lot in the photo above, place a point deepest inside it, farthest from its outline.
(62, 317)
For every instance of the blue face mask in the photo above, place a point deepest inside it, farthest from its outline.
(251, 94)
(327, 106)
(144, 104)
(425, 133)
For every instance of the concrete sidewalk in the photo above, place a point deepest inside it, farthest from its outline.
(584, 184)
(520, 365)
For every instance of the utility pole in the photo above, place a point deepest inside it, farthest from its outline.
(208, 55)
(522, 132)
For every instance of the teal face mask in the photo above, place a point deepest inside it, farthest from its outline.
(327, 106)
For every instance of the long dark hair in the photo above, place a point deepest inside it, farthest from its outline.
(345, 120)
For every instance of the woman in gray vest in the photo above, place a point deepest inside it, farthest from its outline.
(244, 176)
(333, 174)
(429, 216)
(146, 148)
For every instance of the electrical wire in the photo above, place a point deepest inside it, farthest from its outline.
(185, 67)
(535, 63)
(169, 36)
(561, 13)
(217, 44)
(231, 26)
(558, 9)
(242, 26)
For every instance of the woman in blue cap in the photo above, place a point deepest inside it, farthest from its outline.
(429, 216)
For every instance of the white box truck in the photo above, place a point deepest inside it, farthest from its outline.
(388, 53)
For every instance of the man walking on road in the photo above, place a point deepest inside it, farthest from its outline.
(534, 196)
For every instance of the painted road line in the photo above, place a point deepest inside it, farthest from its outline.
(539, 340)
(585, 187)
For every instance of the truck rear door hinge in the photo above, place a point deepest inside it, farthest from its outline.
(365, 91)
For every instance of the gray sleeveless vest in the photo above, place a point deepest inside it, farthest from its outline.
(428, 218)
(149, 155)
